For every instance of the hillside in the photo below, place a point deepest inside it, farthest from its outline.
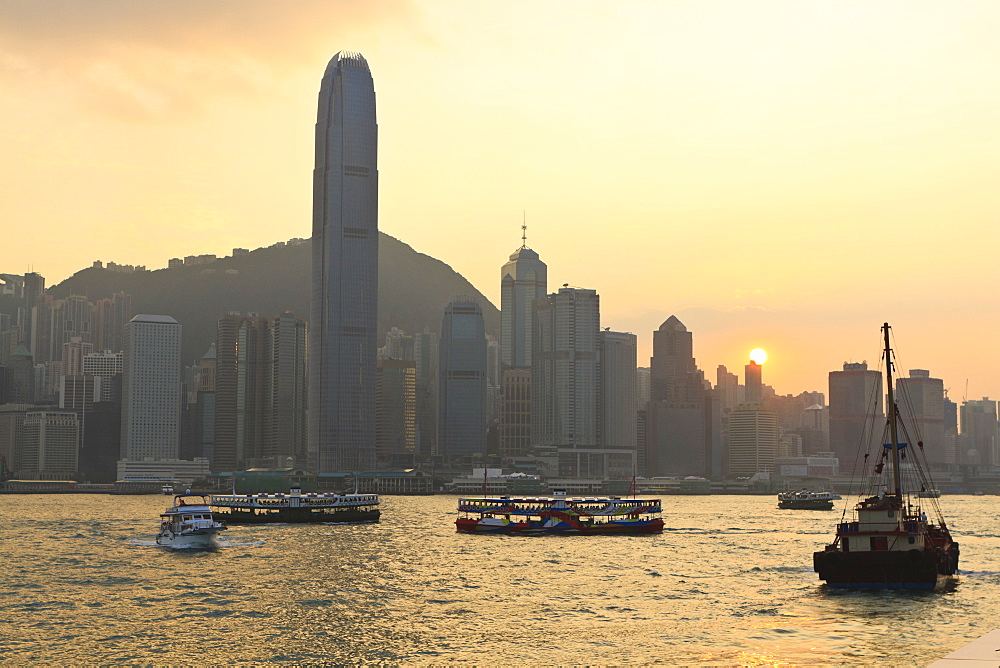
(413, 290)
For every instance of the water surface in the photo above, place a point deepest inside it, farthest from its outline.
(729, 581)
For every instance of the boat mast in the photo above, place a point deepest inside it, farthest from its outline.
(891, 408)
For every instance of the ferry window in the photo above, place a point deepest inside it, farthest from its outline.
(912, 540)
(892, 513)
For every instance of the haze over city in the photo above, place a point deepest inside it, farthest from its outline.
(778, 175)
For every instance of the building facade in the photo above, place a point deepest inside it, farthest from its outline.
(151, 388)
(343, 332)
(855, 395)
(462, 384)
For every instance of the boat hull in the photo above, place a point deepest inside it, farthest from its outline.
(913, 569)
(806, 505)
(295, 516)
(198, 539)
(562, 528)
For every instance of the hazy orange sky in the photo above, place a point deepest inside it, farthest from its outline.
(783, 175)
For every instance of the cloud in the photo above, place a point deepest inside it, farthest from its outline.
(147, 59)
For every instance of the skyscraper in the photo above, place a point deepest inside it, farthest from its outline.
(151, 388)
(462, 387)
(921, 404)
(675, 419)
(854, 393)
(342, 333)
(523, 279)
(564, 382)
(616, 402)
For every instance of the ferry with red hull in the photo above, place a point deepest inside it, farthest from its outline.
(890, 543)
(559, 515)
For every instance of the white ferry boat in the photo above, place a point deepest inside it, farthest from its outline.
(807, 500)
(188, 524)
(296, 507)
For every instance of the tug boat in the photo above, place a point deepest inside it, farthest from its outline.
(806, 500)
(890, 543)
(189, 524)
(296, 507)
(559, 515)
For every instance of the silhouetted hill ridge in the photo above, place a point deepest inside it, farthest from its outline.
(414, 289)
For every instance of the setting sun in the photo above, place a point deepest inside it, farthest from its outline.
(758, 355)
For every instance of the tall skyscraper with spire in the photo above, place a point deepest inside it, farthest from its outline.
(342, 335)
(523, 279)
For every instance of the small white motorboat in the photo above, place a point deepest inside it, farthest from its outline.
(189, 524)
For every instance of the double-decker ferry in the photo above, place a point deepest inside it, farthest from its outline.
(559, 515)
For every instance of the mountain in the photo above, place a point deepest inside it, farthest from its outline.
(413, 290)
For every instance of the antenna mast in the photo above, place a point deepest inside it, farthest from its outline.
(891, 408)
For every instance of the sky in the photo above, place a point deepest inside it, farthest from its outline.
(783, 175)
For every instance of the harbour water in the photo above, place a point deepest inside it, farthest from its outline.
(730, 581)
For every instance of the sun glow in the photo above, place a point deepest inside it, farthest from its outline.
(758, 355)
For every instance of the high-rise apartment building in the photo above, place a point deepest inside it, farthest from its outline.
(343, 333)
(855, 395)
(112, 314)
(462, 384)
(675, 419)
(921, 405)
(259, 399)
(565, 382)
(151, 388)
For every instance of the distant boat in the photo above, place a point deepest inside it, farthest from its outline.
(890, 543)
(559, 515)
(929, 494)
(807, 500)
(188, 524)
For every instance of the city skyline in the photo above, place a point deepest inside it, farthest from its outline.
(766, 150)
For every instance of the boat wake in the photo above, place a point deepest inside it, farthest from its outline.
(220, 544)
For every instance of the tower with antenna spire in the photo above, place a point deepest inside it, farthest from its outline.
(523, 279)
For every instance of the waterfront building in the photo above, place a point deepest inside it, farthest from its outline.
(462, 384)
(676, 439)
(151, 388)
(728, 385)
(564, 382)
(396, 412)
(50, 445)
(616, 402)
(259, 371)
(921, 405)
(855, 393)
(515, 413)
(753, 440)
(426, 351)
(979, 437)
(343, 333)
